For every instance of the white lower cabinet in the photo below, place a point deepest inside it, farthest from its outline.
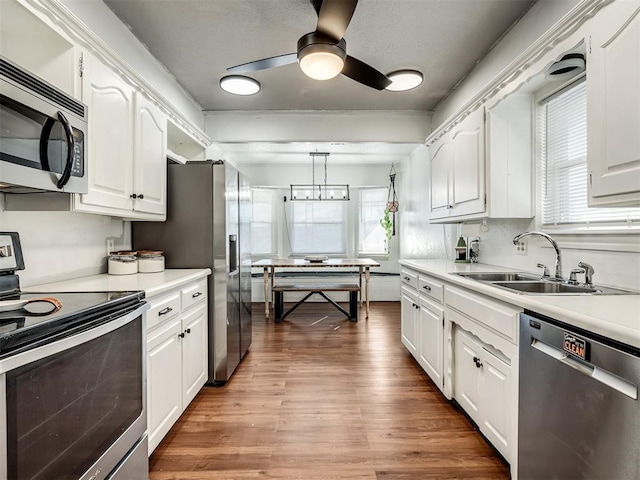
(482, 388)
(430, 340)
(177, 348)
(409, 321)
(422, 322)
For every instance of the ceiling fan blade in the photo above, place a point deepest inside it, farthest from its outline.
(365, 74)
(316, 5)
(334, 17)
(265, 63)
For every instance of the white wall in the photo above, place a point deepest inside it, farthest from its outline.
(62, 245)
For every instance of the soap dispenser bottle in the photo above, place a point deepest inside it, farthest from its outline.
(461, 251)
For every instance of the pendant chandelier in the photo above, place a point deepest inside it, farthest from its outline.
(319, 191)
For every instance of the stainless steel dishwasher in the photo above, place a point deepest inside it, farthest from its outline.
(579, 415)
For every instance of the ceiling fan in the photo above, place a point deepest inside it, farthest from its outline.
(322, 54)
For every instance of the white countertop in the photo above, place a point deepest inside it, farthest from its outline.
(614, 316)
(152, 283)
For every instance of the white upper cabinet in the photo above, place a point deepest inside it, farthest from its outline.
(484, 167)
(458, 170)
(150, 158)
(126, 151)
(110, 140)
(613, 106)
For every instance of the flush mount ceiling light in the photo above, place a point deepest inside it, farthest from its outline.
(321, 61)
(239, 85)
(568, 66)
(403, 80)
(319, 192)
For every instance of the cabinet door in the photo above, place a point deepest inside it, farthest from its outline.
(468, 177)
(150, 160)
(194, 353)
(164, 380)
(408, 306)
(613, 106)
(496, 402)
(430, 340)
(467, 374)
(441, 160)
(109, 141)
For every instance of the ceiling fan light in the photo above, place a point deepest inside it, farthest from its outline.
(403, 80)
(321, 61)
(239, 85)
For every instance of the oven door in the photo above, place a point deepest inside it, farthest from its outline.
(75, 408)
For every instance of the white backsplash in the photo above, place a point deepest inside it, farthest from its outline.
(63, 245)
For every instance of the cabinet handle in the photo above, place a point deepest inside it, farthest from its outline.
(196, 295)
(477, 361)
(188, 330)
(141, 196)
(181, 335)
(407, 279)
(133, 195)
(165, 311)
(449, 207)
(427, 288)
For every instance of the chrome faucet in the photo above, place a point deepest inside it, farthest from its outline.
(558, 274)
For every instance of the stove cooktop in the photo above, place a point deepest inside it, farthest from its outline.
(39, 323)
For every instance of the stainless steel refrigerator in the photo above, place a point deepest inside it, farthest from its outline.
(209, 226)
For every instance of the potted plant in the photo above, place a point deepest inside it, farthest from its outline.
(387, 224)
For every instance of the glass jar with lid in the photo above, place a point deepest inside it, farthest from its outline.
(123, 262)
(150, 261)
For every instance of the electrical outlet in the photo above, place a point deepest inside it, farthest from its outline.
(521, 248)
(110, 245)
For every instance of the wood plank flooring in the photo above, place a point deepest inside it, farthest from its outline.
(319, 397)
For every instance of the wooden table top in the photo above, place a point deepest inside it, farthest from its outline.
(302, 263)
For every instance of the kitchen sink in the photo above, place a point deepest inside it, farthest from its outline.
(545, 287)
(530, 284)
(498, 276)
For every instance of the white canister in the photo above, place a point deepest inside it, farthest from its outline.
(122, 263)
(150, 261)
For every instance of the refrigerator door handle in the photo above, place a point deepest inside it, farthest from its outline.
(233, 254)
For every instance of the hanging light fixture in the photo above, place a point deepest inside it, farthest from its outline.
(319, 191)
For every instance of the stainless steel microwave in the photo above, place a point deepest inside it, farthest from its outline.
(42, 135)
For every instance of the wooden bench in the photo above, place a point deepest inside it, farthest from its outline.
(353, 290)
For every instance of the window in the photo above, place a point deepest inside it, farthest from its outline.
(563, 135)
(318, 227)
(371, 235)
(263, 228)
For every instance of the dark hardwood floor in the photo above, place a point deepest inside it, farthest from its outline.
(327, 399)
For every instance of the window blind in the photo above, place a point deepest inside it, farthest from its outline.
(318, 227)
(263, 239)
(371, 235)
(563, 133)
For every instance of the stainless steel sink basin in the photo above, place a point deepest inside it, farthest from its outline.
(498, 276)
(545, 287)
(530, 284)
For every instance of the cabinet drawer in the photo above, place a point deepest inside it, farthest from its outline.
(409, 278)
(500, 317)
(194, 294)
(431, 287)
(163, 309)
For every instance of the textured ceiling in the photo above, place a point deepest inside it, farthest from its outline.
(198, 39)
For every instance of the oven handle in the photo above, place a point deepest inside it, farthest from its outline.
(44, 351)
